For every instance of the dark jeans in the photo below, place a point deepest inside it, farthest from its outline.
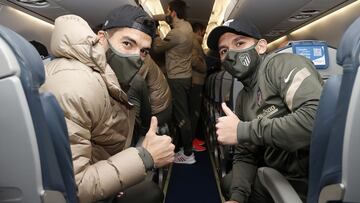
(144, 192)
(195, 107)
(180, 91)
(164, 116)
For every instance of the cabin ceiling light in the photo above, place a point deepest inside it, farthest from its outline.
(31, 18)
(340, 13)
(320, 22)
(217, 17)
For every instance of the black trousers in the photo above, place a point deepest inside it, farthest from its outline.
(195, 107)
(164, 116)
(259, 193)
(144, 192)
(180, 91)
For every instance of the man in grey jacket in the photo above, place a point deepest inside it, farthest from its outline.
(274, 112)
(177, 46)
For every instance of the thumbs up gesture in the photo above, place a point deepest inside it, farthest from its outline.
(160, 147)
(226, 127)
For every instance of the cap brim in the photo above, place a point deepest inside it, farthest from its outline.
(215, 34)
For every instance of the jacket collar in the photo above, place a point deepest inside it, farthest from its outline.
(177, 22)
(198, 38)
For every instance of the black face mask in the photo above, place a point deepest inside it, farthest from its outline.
(241, 64)
(169, 19)
(124, 66)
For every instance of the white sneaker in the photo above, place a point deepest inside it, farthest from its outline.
(181, 151)
(181, 158)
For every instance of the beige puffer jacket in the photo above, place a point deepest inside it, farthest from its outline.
(159, 91)
(97, 118)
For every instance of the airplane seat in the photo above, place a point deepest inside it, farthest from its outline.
(216, 113)
(334, 161)
(227, 152)
(225, 156)
(30, 169)
(340, 175)
(209, 88)
(226, 83)
(236, 87)
(322, 55)
(57, 127)
(206, 109)
(325, 117)
(211, 123)
(217, 93)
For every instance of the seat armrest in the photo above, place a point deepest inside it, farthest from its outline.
(279, 188)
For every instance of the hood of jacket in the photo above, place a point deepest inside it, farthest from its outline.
(73, 38)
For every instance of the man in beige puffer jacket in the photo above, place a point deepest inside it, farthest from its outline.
(98, 115)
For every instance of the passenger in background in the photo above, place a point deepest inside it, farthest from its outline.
(84, 79)
(158, 58)
(274, 113)
(199, 69)
(177, 46)
(40, 48)
(159, 92)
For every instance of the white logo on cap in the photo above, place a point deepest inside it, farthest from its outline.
(106, 22)
(227, 23)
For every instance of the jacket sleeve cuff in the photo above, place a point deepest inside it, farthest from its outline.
(129, 167)
(146, 158)
(237, 197)
(243, 132)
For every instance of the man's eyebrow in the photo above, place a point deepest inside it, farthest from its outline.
(129, 39)
(238, 38)
(221, 47)
(134, 42)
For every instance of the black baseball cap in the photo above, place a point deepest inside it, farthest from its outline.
(237, 26)
(132, 17)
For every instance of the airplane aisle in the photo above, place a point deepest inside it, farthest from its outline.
(193, 183)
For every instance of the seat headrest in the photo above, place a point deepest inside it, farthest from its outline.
(32, 69)
(348, 51)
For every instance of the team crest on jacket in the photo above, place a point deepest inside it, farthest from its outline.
(245, 59)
